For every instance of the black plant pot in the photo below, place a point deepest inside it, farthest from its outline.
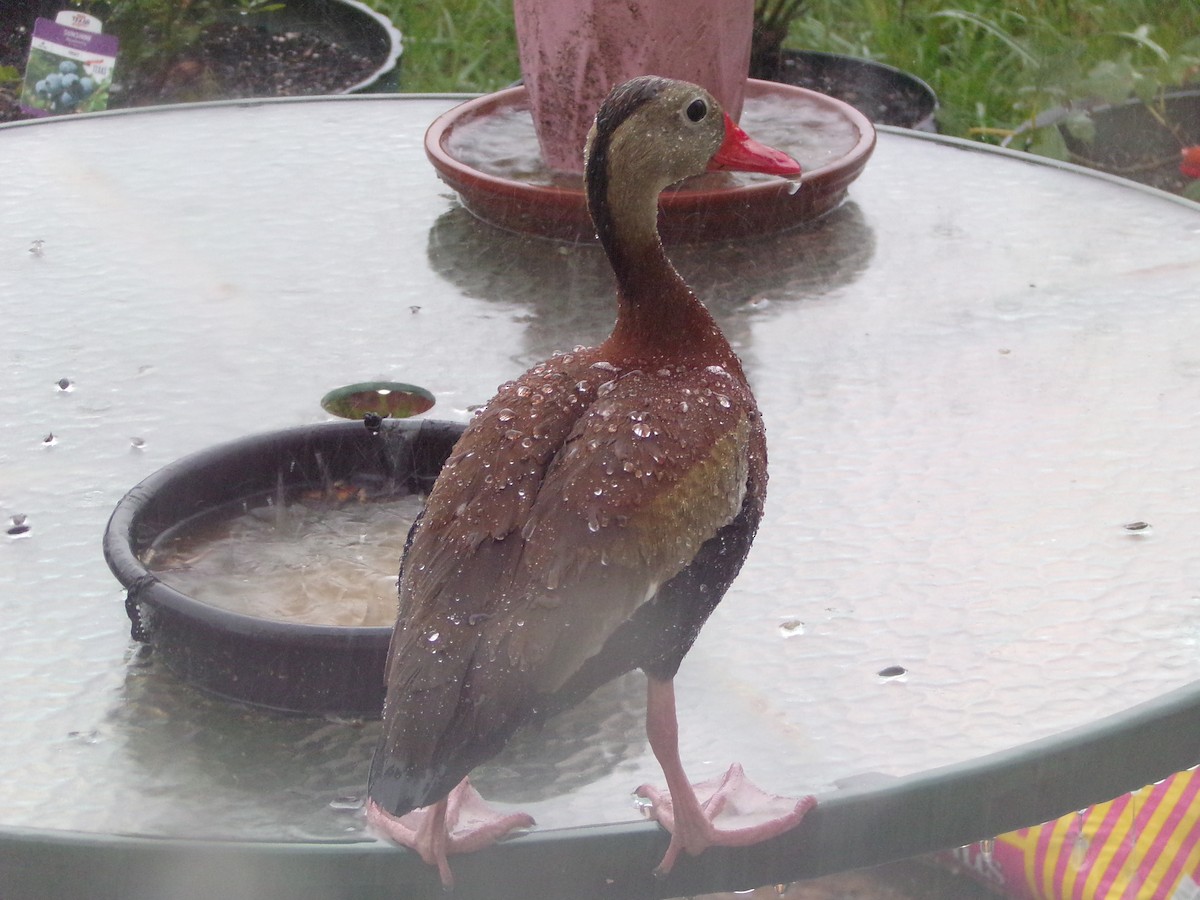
(884, 94)
(1130, 139)
(289, 666)
(349, 23)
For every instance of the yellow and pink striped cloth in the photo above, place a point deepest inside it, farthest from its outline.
(1141, 846)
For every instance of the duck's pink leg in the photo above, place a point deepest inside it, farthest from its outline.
(462, 822)
(729, 811)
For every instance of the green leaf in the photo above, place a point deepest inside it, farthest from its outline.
(1080, 126)
(1192, 191)
(1048, 141)
(9, 73)
(1110, 80)
(1184, 67)
(1141, 35)
(991, 28)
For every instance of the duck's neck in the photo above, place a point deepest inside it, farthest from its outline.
(658, 316)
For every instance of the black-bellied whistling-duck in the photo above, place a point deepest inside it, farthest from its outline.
(589, 519)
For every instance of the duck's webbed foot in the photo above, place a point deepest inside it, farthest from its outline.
(730, 811)
(463, 822)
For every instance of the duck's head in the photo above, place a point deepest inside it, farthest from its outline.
(652, 132)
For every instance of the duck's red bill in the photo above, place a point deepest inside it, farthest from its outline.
(742, 153)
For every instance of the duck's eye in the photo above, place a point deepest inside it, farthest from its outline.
(697, 110)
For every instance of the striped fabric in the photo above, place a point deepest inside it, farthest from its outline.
(1141, 846)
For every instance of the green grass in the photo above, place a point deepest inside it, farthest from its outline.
(993, 63)
(455, 45)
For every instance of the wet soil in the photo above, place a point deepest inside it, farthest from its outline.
(230, 61)
(883, 95)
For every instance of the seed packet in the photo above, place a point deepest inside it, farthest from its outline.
(70, 66)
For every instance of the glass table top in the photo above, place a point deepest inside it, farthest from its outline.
(979, 378)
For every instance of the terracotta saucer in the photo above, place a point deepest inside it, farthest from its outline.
(486, 150)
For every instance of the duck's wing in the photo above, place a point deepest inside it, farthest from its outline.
(538, 543)
(652, 472)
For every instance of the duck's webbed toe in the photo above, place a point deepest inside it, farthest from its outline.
(463, 822)
(730, 811)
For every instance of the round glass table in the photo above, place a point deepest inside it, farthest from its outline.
(974, 603)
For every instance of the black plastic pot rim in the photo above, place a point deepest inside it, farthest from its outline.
(127, 566)
(278, 664)
(395, 41)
